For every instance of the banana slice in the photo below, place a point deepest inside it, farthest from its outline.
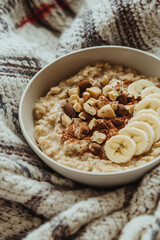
(150, 111)
(136, 88)
(120, 149)
(138, 136)
(148, 103)
(154, 95)
(150, 90)
(152, 120)
(147, 129)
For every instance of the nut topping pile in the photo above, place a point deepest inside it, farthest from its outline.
(101, 110)
(105, 118)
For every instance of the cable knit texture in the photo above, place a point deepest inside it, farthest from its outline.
(35, 202)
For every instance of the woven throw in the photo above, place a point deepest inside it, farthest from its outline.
(35, 202)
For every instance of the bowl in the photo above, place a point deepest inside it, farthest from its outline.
(66, 66)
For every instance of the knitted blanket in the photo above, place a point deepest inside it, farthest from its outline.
(35, 202)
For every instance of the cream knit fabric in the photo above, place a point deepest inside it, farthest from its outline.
(35, 202)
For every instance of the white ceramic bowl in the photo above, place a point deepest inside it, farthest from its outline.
(68, 65)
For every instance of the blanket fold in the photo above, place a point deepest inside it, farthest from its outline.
(36, 202)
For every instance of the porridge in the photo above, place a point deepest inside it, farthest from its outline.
(105, 118)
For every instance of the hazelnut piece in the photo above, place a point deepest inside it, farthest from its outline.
(54, 90)
(81, 101)
(104, 80)
(94, 91)
(102, 101)
(77, 107)
(106, 90)
(92, 102)
(130, 108)
(89, 108)
(121, 110)
(73, 98)
(85, 116)
(92, 124)
(112, 95)
(74, 91)
(101, 124)
(114, 105)
(86, 96)
(106, 112)
(84, 128)
(98, 137)
(95, 148)
(65, 120)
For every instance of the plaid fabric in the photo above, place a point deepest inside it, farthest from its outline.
(36, 202)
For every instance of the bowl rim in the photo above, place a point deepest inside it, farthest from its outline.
(37, 149)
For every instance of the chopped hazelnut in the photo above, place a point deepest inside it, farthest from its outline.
(85, 116)
(54, 90)
(94, 91)
(73, 98)
(86, 96)
(101, 124)
(121, 110)
(73, 102)
(130, 108)
(92, 124)
(89, 109)
(114, 105)
(98, 137)
(74, 91)
(95, 148)
(106, 90)
(112, 95)
(84, 128)
(102, 101)
(77, 121)
(65, 120)
(62, 95)
(77, 133)
(81, 101)
(106, 112)
(92, 102)
(77, 107)
(104, 80)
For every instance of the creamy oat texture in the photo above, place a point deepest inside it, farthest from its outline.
(73, 135)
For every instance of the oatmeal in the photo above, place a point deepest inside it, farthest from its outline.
(103, 119)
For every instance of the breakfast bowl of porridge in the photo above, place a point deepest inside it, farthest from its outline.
(94, 115)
